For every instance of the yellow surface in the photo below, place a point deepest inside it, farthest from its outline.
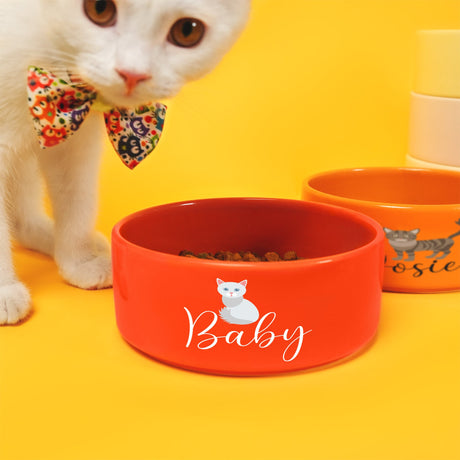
(437, 70)
(311, 85)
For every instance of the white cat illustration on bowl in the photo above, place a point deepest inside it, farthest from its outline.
(238, 310)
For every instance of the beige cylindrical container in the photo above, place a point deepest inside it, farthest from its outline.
(434, 133)
(434, 129)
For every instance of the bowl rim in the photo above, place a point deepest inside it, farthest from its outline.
(441, 32)
(370, 223)
(426, 164)
(383, 204)
(451, 100)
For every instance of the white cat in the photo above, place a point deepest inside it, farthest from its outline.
(238, 310)
(132, 52)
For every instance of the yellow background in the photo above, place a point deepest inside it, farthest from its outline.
(311, 85)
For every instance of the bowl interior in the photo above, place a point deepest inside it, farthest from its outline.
(259, 225)
(392, 186)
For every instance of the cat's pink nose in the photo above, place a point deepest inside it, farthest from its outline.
(132, 79)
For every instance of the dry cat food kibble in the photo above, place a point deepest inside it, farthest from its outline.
(242, 256)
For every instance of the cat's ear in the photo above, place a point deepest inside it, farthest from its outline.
(219, 281)
(243, 283)
(415, 231)
(387, 230)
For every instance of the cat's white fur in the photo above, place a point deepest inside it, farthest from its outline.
(56, 35)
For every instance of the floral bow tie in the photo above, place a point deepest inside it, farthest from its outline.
(59, 108)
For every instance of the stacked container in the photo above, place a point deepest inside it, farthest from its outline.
(434, 136)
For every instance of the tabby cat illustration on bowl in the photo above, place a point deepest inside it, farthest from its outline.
(406, 241)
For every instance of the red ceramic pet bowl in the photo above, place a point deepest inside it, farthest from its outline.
(247, 318)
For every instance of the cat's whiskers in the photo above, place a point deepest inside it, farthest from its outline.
(58, 58)
(65, 65)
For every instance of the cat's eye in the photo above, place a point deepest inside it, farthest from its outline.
(186, 32)
(102, 12)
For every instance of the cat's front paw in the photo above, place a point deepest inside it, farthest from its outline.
(15, 303)
(90, 267)
(95, 273)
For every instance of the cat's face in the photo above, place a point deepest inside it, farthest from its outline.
(158, 44)
(230, 289)
(401, 235)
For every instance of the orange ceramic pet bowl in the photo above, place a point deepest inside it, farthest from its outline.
(419, 210)
(247, 318)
